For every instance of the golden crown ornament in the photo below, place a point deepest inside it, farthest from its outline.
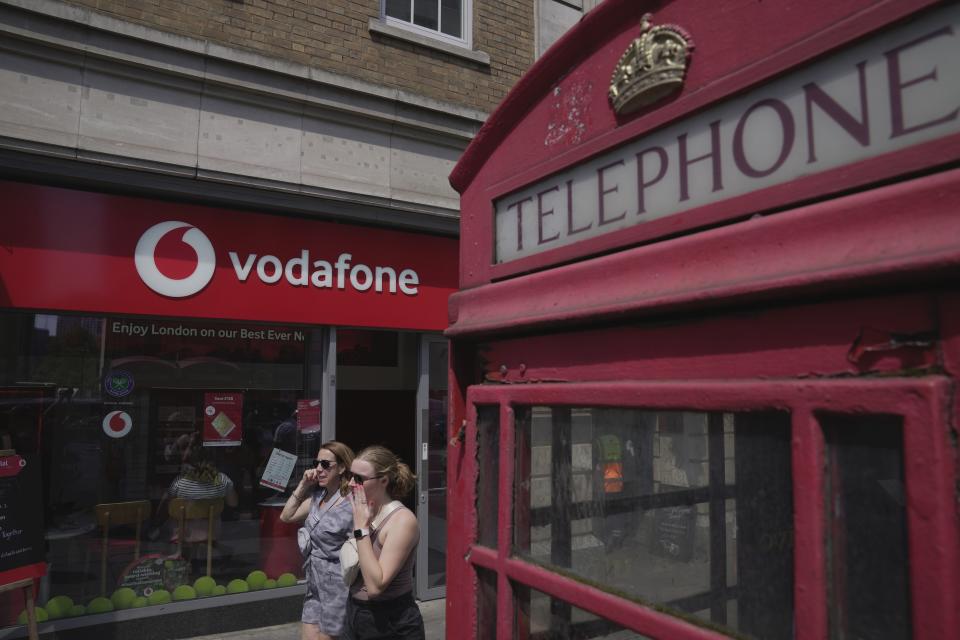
(652, 67)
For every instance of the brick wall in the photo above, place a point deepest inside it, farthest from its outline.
(333, 35)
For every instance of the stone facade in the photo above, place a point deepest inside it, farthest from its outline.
(316, 108)
(334, 35)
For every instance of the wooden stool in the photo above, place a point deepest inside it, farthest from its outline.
(27, 585)
(111, 514)
(184, 509)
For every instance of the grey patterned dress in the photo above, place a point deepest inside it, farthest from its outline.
(326, 600)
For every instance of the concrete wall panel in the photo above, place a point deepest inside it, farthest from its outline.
(249, 139)
(419, 170)
(344, 157)
(39, 99)
(140, 119)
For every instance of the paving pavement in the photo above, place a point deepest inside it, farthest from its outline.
(433, 612)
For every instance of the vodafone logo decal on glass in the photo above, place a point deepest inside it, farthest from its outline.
(145, 259)
(178, 260)
(117, 424)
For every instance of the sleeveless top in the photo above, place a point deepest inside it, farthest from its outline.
(402, 583)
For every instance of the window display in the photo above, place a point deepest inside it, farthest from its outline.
(153, 438)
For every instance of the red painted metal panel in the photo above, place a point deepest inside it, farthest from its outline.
(862, 239)
(74, 251)
(809, 567)
(744, 45)
(505, 601)
(932, 521)
(929, 472)
(812, 340)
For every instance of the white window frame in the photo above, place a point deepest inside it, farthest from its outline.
(466, 26)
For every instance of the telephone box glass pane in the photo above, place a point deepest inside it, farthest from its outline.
(866, 532)
(488, 456)
(486, 604)
(689, 510)
(541, 617)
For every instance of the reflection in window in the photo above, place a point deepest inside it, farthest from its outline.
(689, 510)
(488, 457)
(486, 604)
(433, 17)
(540, 617)
(62, 375)
(866, 528)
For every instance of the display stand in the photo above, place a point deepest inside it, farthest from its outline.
(27, 585)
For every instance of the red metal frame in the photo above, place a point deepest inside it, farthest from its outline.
(839, 297)
(928, 467)
(505, 156)
(862, 237)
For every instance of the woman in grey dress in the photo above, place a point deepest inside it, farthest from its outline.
(320, 502)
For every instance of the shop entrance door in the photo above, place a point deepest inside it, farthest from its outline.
(432, 468)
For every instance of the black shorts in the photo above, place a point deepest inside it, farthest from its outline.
(375, 619)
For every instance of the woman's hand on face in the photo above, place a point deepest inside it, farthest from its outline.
(309, 478)
(361, 510)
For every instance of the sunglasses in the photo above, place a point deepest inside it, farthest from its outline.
(325, 464)
(359, 479)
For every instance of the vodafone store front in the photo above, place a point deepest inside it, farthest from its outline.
(138, 334)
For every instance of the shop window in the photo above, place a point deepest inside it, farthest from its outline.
(486, 604)
(541, 617)
(488, 463)
(444, 19)
(124, 405)
(691, 511)
(867, 575)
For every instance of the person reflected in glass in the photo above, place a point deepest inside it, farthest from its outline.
(320, 501)
(381, 603)
(199, 479)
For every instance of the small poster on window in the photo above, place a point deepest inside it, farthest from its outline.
(308, 416)
(276, 475)
(222, 419)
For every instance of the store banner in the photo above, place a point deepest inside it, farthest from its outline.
(222, 419)
(96, 253)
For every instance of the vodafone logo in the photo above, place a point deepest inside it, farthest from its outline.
(302, 269)
(146, 261)
(117, 424)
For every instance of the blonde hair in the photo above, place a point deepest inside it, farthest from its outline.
(400, 479)
(344, 456)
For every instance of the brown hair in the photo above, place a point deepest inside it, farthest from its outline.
(400, 479)
(344, 456)
(200, 465)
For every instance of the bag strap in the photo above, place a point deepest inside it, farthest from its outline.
(320, 513)
(384, 513)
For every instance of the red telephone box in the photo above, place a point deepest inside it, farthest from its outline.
(706, 346)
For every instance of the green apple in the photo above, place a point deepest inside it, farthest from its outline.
(286, 580)
(123, 598)
(256, 579)
(239, 585)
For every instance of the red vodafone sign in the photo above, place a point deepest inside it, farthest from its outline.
(89, 252)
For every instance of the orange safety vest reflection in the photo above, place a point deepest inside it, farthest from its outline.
(613, 477)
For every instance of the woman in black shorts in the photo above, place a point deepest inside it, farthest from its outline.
(381, 603)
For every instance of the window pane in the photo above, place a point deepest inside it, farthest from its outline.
(451, 18)
(399, 9)
(689, 510)
(486, 604)
(488, 456)
(866, 528)
(124, 407)
(425, 14)
(541, 617)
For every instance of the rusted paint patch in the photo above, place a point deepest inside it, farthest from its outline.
(568, 113)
